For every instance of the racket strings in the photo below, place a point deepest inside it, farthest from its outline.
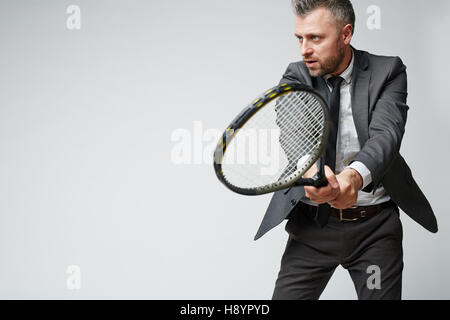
(287, 129)
(292, 115)
(310, 132)
(311, 127)
(308, 137)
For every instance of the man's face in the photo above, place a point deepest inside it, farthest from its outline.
(321, 45)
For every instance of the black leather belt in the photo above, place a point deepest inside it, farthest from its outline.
(354, 213)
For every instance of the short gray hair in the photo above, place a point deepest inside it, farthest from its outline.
(341, 10)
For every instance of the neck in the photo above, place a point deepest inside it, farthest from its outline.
(345, 62)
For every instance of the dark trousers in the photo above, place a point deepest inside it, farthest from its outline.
(370, 249)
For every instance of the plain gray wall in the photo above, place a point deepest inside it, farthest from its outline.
(88, 126)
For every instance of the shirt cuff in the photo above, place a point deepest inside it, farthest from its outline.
(363, 171)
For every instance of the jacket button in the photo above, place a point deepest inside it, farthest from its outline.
(293, 202)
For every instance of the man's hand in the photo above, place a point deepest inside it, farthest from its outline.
(323, 194)
(350, 182)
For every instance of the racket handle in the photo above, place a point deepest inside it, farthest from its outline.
(319, 180)
(320, 177)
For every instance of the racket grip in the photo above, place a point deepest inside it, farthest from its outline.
(319, 180)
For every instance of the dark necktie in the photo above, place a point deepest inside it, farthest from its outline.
(323, 210)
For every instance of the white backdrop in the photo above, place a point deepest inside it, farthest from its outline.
(98, 99)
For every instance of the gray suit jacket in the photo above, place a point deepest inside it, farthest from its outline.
(379, 93)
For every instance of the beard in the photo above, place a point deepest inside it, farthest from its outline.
(330, 64)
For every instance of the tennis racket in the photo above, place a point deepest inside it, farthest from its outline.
(272, 143)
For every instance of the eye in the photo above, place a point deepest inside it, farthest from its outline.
(315, 38)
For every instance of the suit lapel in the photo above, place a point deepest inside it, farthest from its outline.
(360, 96)
(359, 93)
(320, 85)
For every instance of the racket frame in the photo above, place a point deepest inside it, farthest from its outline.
(246, 114)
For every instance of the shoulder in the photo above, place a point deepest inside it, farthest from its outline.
(382, 64)
(297, 72)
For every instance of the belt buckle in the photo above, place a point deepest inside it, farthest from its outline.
(343, 219)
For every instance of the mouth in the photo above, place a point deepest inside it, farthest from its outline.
(310, 63)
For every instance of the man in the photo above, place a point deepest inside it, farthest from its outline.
(354, 221)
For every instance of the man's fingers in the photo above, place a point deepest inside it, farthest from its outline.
(327, 193)
(331, 177)
(331, 191)
(314, 198)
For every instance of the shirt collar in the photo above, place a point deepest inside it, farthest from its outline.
(347, 74)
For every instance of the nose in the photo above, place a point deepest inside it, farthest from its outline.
(306, 49)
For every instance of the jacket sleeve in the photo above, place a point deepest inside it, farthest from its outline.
(292, 74)
(386, 125)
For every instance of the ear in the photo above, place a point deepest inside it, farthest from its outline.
(347, 33)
